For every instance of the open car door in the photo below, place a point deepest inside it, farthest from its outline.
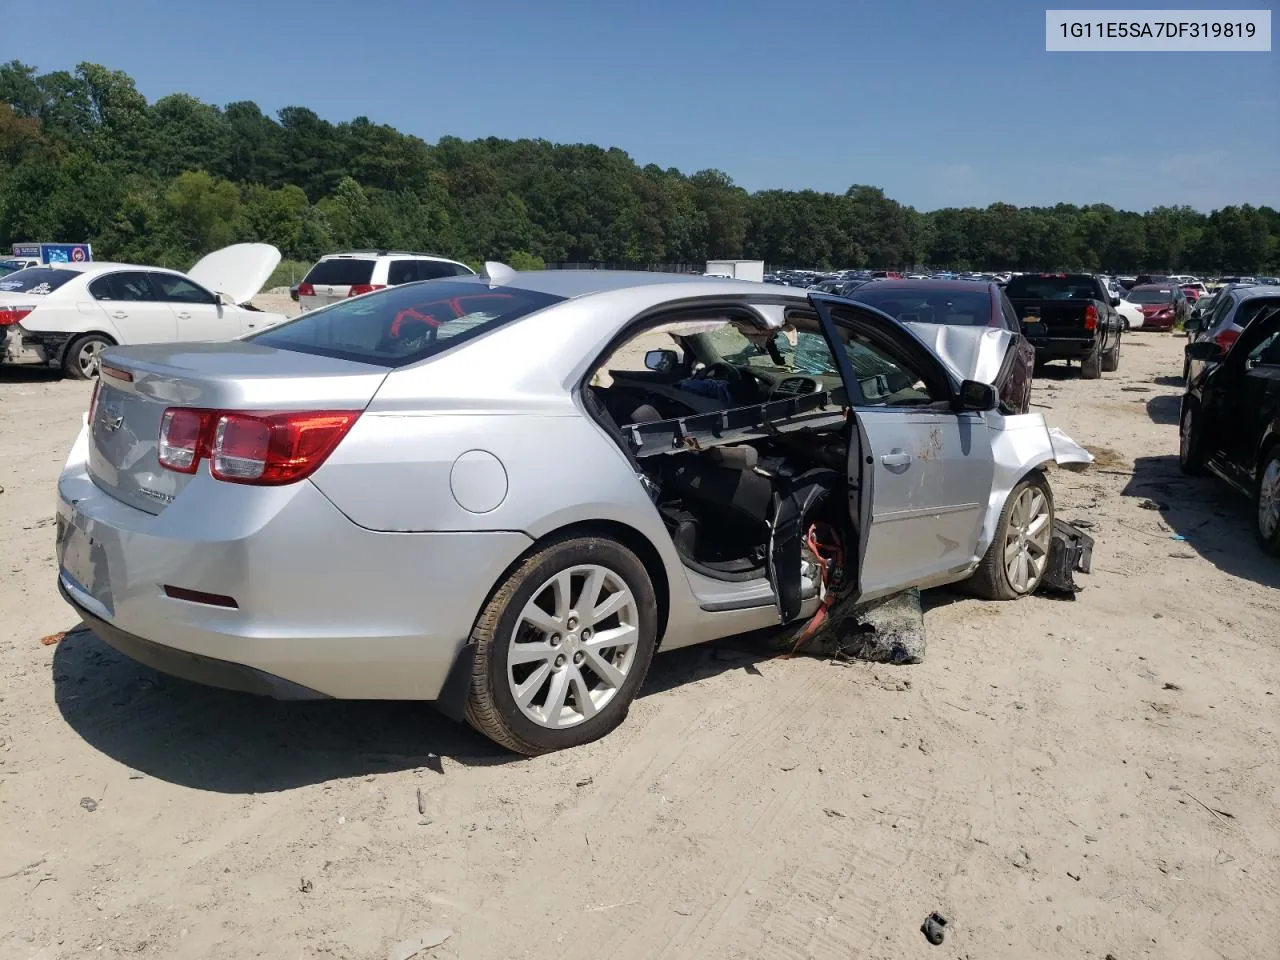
(920, 467)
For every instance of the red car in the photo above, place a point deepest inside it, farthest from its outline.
(1162, 305)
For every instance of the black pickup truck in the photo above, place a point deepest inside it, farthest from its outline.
(1069, 316)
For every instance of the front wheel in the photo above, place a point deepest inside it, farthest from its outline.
(562, 647)
(1267, 502)
(84, 356)
(1190, 454)
(1015, 563)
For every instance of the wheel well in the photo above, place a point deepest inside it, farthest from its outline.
(629, 537)
(72, 338)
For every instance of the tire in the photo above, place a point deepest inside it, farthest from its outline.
(555, 649)
(1091, 366)
(1111, 359)
(991, 580)
(1124, 324)
(1266, 502)
(83, 356)
(1190, 442)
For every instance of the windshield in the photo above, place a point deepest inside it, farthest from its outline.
(9, 266)
(1062, 287)
(404, 324)
(37, 280)
(961, 309)
(1151, 297)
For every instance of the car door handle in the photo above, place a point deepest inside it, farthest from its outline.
(184, 315)
(897, 458)
(119, 315)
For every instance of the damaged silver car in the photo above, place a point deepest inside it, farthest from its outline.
(505, 493)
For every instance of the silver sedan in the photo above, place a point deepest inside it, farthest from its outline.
(505, 493)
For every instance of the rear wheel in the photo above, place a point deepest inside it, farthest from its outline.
(1267, 502)
(84, 356)
(562, 647)
(1015, 563)
(1091, 366)
(1111, 359)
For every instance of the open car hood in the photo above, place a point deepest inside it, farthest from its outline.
(239, 270)
(971, 353)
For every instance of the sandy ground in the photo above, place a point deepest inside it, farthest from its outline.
(1059, 779)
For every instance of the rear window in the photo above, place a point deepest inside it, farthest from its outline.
(1052, 288)
(1152, 296)
(402, 325)
(36, 280)
(340, 272)
(955, 308)
(10, 266)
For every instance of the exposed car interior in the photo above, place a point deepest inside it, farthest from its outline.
(742, 436)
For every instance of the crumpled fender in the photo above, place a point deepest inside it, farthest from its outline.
(1020, 444)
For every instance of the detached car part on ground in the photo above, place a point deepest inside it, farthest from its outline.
(420, 494)
(64, 315)
(1230, 418)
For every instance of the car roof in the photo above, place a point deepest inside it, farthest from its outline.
(1170, 287)
(1252, 292)
(582, 283)
(938, 286)
(98, 266)
(388, 253)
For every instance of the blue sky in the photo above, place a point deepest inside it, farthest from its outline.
(939, 103)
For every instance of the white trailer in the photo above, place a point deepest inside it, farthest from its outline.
(737, 269)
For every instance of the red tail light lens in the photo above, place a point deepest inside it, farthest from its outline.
(1225, 338)
(358, 288)
(267, 449)
(11, 315)
(306, 290)
(1090, 317)
(182, 438)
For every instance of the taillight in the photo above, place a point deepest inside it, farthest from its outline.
(306, 290)
(1090, 317)
(183, 434)
(358, 288)
(1225, 338)
(267, 449)
(11, 315)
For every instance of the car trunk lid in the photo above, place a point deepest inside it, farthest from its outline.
(140, 383)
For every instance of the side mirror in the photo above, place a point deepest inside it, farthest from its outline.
(1115, 301)
(975, 395)
(1204, 350)
(223, 300)
(661, 361)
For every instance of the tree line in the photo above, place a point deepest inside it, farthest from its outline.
(84, 156)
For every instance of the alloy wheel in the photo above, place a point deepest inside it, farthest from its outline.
(1269, 499)
(89, 358)
(1026, 545)
(573, 646)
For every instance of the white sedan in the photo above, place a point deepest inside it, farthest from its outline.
(64, 315)
(1130, 313)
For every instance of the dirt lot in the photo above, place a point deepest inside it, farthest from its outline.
(1059, 779)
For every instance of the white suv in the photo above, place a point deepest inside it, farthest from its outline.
(342, 275)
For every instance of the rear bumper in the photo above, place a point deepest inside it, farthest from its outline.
(1063, 348)
(20, 346)
(324, 607)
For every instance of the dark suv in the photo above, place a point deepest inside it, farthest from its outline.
(1230, 419)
